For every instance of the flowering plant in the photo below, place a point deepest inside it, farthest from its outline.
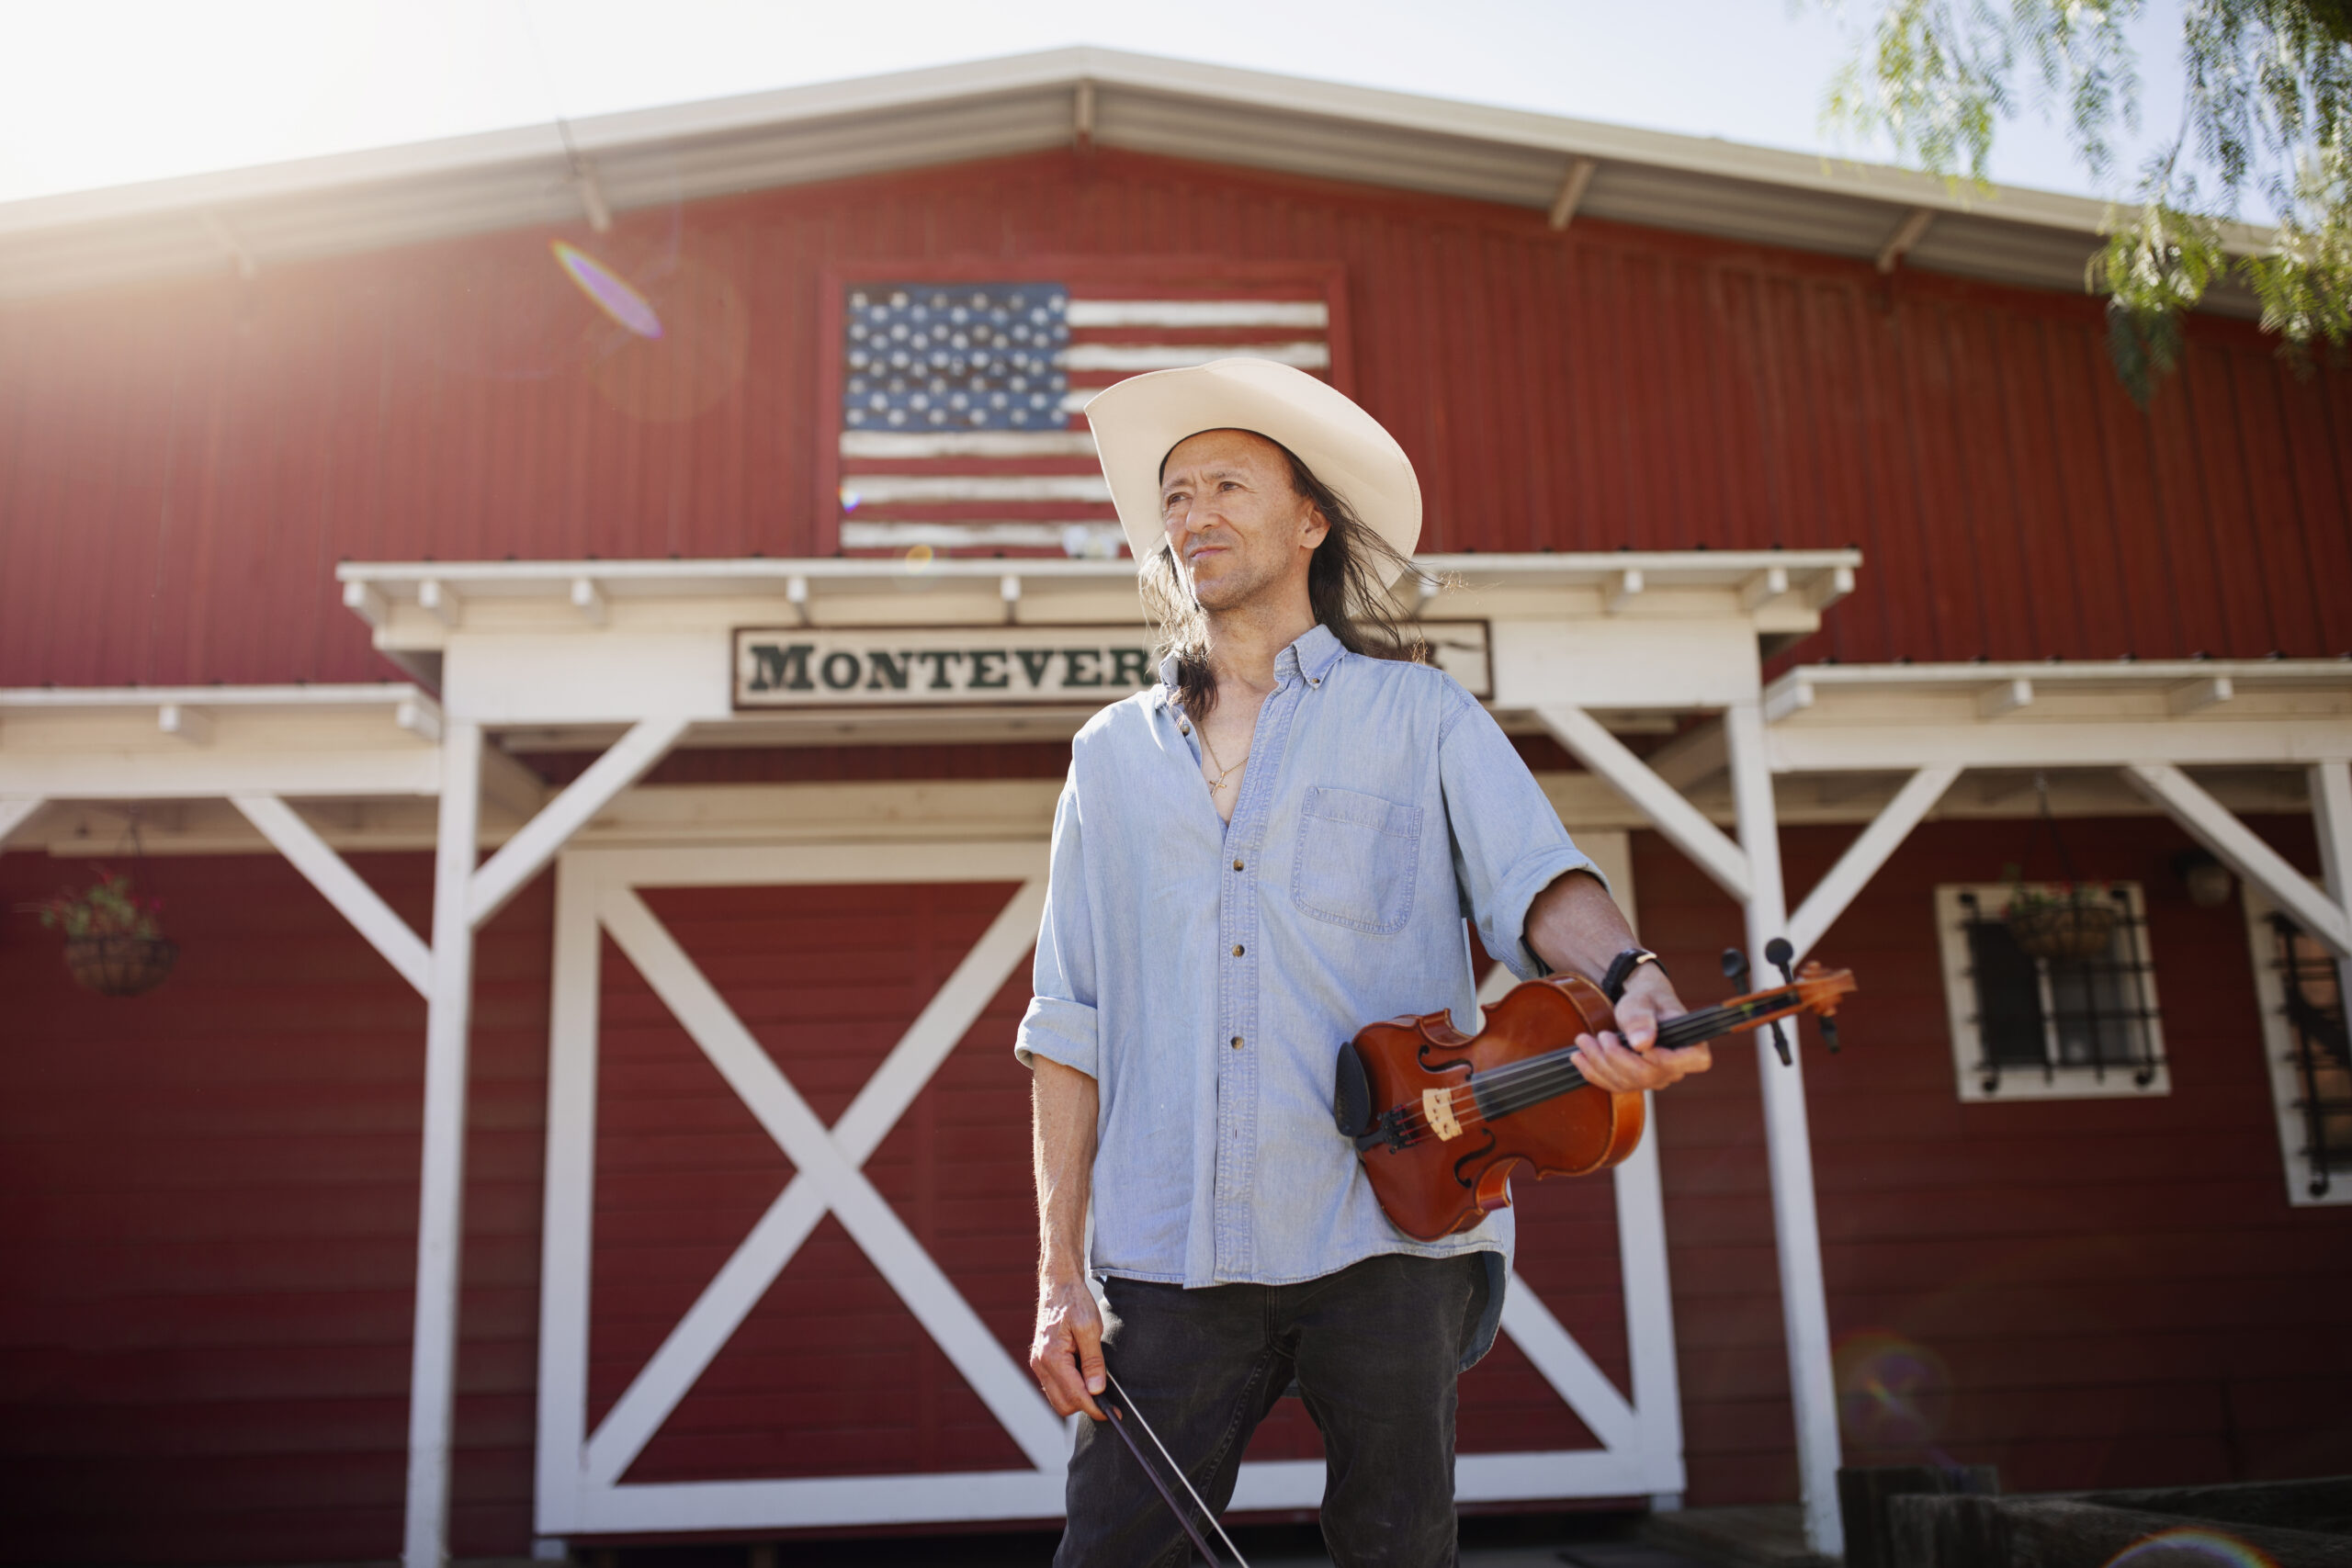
(2025, 900)
(107, 907)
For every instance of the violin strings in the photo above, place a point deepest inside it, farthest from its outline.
(1520, 1085)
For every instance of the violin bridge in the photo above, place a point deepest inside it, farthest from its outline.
(1437, 1104)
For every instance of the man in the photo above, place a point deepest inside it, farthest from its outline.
(1271, 849)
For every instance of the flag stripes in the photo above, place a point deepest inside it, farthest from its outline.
(939, 378)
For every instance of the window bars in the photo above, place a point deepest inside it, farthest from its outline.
(2317, 1054)
(2051, 1015)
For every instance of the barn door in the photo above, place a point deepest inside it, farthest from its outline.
(689, 1382)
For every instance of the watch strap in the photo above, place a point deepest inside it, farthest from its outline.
(1622, 967)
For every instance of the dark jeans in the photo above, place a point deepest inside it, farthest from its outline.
(1374, 1349)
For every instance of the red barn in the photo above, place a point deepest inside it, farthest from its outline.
(592, 701)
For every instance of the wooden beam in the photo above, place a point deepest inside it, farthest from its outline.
(191, 725)
(509, 786)
(2331, 796)
(16, 812)
(1908, 233)
(1788, 1151)
(440, 601)
(1693, 757)
(2006, 697)
(1572, 188)
(1680, 821)
(521, 856)
(589, 600)
(1885, 743)
(2198, 695)
(331, 876)
(1863, 858)
(363, 600)
(1787, 697)
(2237, 846)
(441, 1196)
(1763, 588)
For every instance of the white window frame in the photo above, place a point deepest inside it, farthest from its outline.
(2278, 1057)
(2062, 1082)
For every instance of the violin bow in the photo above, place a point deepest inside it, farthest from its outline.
(1119, 1425)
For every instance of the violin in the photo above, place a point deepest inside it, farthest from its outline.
(1442, 1119)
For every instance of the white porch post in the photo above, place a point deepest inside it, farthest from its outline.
(2331, 792)
(1805, 1303)
(440, 1230)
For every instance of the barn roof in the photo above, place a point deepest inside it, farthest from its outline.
(259, 217)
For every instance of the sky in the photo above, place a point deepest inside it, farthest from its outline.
(96, 93)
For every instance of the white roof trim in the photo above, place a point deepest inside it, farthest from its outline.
(985, 108)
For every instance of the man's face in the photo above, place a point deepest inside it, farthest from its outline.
(1235, 524)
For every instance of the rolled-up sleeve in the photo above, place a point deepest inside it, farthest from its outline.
(1508, 842)
(1060, 1024)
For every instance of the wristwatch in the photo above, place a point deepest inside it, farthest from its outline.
(1622, 967)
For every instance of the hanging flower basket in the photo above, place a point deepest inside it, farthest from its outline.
(120, 966)
(114, 938)
(2073, 926)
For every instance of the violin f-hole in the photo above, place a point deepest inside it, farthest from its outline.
(1430, 1067)
(1474, 1154)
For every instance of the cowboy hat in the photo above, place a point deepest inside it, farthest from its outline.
(1139, 420)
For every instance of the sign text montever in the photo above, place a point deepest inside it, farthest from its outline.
(798, 667)
(913, 667)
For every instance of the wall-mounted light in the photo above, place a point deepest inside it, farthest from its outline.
(2208, 880)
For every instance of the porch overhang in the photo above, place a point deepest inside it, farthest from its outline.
(555, 649)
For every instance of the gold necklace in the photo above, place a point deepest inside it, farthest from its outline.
(1217, 783)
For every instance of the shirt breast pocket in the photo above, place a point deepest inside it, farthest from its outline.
(1357, 855)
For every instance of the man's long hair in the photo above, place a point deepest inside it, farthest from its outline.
(1347, 581)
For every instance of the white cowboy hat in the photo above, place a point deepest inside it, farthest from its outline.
(1139, 420)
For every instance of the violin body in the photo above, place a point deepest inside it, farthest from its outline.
(1442, 1119)
(1438, 1186)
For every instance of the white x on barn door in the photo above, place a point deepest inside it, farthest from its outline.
(580, 1489)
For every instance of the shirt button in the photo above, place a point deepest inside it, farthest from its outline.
(1237, 866)
(1237, 950)
(1237, 1042)
(1184, 729)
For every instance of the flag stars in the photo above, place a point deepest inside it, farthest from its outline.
(989, 357)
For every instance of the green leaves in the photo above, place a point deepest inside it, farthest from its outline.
(108, 908)
(2151, 269)
(2267, 109)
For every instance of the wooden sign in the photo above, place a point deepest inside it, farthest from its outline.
(872, 667)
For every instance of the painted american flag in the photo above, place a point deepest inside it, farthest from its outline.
(963, 419)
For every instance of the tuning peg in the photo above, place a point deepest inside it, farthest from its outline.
(1779, 1042)
(1777, 953)
(1829, 1033)
(1735, 966)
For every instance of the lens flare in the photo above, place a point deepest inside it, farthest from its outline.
(919, 558)
(849, 499)
(606, 290)
(2192, 1546)
(1892, 1394)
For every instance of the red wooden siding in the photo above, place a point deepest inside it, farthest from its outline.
(206, 1260)
(2117, 1289)
(181, 467)
(208, 1248)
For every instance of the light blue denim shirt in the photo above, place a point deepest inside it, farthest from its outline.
(1205, 975)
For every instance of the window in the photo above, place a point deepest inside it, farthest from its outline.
(2302, 1037)
(2029, 1028)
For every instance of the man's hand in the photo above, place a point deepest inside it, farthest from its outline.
(1065, 1357)
(1634, 1062)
